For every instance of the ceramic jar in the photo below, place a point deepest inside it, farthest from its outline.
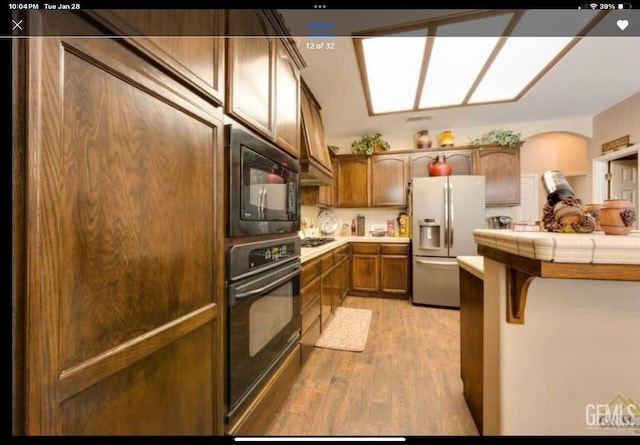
(617, 217)
(438, 166)
(423, 139)
(446, 139)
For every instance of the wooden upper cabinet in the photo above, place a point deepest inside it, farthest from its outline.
(199, 58)
(250, 70)
(501, 168)
(287, 101)
(353, 182)
(389, 180)
(460, 161)
(315, 160)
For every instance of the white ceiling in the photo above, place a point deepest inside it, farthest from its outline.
(595, 74)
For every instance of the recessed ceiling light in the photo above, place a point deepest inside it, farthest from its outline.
(432, 64)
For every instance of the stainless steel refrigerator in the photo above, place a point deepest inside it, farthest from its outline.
(445, 211)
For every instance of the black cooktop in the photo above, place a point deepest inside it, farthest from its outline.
(315, 242)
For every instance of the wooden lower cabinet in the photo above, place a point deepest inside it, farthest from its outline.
(394, 270)
(381, 269)
(365, 272)
(471, 344)
(325, 283)
(260, 413)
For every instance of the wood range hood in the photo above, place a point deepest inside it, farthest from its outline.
(315, 161)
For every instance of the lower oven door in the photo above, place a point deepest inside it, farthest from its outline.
(263, 326)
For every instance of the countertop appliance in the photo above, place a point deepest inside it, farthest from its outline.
(263, 315)
(500, 222)
(446, 210)
(263, 185)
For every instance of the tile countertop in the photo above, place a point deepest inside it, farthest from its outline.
(473, 264)
(308, 253)
(594, 247)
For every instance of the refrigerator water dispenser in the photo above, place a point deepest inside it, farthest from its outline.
(429, 234)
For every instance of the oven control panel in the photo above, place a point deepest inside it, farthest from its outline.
(270, 254)
(248, 258)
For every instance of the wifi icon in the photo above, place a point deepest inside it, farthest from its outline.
(593, 5)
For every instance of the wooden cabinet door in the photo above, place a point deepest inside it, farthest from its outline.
(501, 169)
(326, 297)
(326, 193)
(353, 182)
(123, 273)
(287, 102)
(195, 51)
(250, 71)
(394, 274)
(389, 180)
(460, 161)
(365, 272)
(344, 286)
(471, 342)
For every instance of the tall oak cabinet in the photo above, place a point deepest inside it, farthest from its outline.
(117, 173)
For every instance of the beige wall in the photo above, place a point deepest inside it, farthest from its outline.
(560, 151)
(377, 216)
(620, 120)
(405, 141)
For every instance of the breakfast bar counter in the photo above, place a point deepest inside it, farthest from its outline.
(561, 330)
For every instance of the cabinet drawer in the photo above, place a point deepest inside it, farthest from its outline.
(370, 248)
(340, 253)
(309, 292)
(394, 249)
(308, 340)
(326, 261)
(310, 313)
(309, 272)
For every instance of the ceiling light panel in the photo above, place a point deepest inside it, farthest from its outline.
(523, 57)
(519, 62)
(454, 65)
(393, 68)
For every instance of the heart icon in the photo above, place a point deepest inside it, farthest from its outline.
(622, 24)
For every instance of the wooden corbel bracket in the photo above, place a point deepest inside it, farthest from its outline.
(517, 286)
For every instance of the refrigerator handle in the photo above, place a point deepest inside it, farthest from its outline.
(446, 212)
(436, 263)
(451, 219)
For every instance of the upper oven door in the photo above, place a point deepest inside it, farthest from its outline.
(263, 186)
(263, 326)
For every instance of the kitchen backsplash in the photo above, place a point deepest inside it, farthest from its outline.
(373, 217)
(377, 217)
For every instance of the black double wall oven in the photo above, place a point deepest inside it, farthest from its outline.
(263, 276)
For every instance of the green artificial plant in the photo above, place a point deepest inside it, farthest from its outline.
(368, 143)
(507, 138)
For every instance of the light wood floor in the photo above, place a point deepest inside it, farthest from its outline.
(406, 382)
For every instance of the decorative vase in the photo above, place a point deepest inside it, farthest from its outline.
(423, 139)
(438, 166)
(617, 217)
(446, 139)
